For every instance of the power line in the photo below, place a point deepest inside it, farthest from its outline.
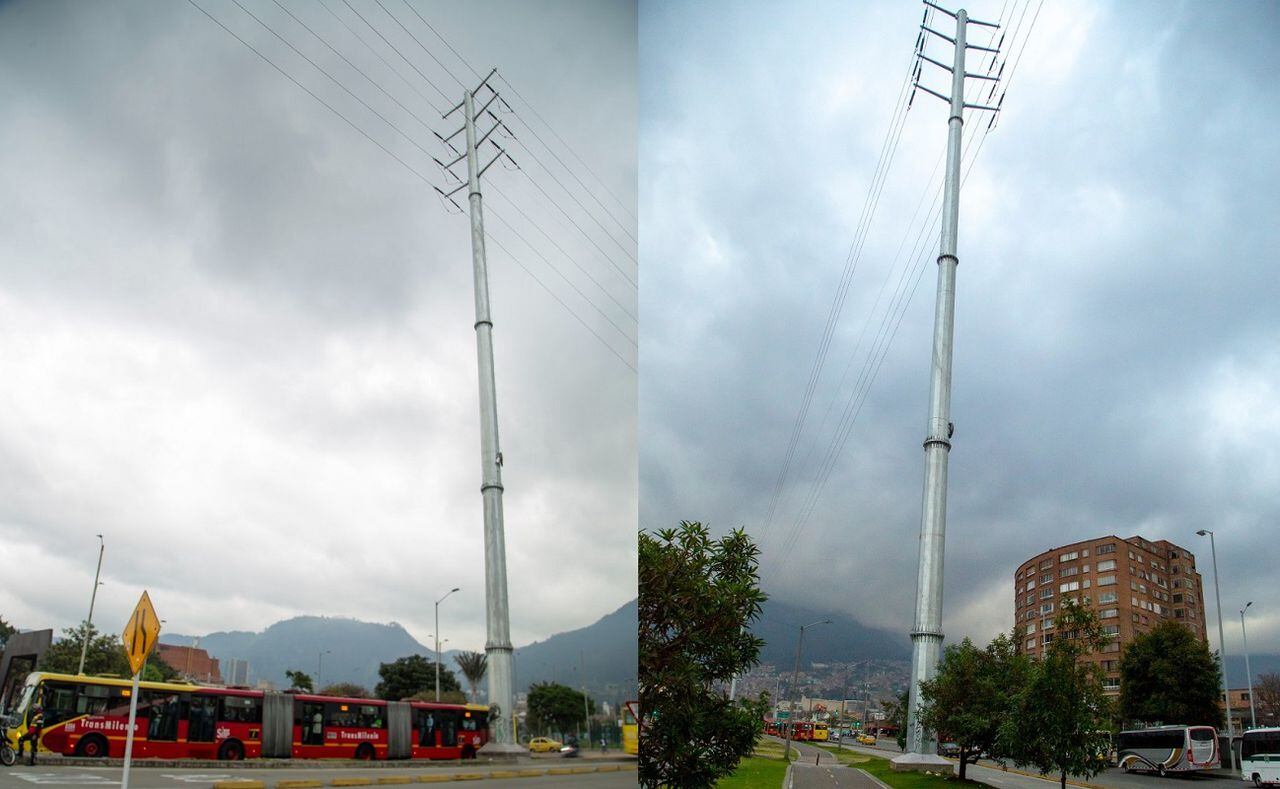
(388, 151)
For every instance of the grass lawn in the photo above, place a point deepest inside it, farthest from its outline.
(881, 769)
(763, 768)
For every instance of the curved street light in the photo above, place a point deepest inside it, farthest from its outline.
(438, 602)
(795, 672)
(1253, 715)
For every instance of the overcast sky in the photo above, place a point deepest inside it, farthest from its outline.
(236, 337)
(1117, 357)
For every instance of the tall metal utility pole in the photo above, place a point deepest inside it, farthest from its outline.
(88, 631)
(497, 616)
(926, 636)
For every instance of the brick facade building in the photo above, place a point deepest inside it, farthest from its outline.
(193, 663)
(1131, 584)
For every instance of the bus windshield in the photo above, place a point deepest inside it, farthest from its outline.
(29, 690)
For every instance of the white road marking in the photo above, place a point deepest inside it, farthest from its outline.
(198, 778)
(85, 779)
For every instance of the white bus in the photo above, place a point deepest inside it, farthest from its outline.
(1260, 756)
(1169, 749)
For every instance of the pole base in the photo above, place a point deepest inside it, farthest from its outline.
(502, 750)
(923, 762)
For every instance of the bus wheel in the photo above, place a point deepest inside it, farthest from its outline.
(1160, 770)
(92, 746)
(1257, 780)
(231, 751)
(365, 752)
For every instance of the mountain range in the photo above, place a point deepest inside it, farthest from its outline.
(353, 649)
(844, 640)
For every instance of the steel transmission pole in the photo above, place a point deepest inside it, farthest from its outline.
(497, 646)
(926, 635)
(1248, 672)
(1222, 651)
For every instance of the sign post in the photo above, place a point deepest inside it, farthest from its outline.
(140, 634)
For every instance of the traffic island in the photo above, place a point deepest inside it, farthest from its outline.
(922, 763)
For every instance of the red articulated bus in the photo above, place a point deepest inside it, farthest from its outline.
(89, 716)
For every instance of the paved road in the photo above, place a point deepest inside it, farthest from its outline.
(73, 777)
(817, 769)
(1113, 778)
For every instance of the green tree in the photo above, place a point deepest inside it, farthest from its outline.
(299, 680)
(895, 712)
(6, 630)
(1054, 719)
(403, 677)
(473, 665)
(348, 689)
(698, 596)
(1266, 692)
(972, 693)
(1168, 675)
(556, 708)
(455, 696)
(104, 655)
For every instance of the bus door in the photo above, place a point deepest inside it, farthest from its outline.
(427, 722)
(313, 721)
(448, 728)
(202, 720)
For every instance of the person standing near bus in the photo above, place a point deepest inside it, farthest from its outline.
(34, 724)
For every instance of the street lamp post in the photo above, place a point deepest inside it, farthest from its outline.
(1253, 715)
(795, 676)
(438, 602)
(84, 648)
(1222, 650)
(320, 669)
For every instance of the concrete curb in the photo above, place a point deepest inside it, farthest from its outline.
(530, 772)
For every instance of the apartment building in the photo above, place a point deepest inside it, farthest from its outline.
(1131, 584)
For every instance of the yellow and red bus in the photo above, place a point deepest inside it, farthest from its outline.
(820, 731)
(631, 727)
(89, 716)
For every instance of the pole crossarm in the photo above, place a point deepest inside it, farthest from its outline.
(496, 124)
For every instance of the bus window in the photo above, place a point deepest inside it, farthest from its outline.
(469, 721)
(92, 699)
(163, 709)
(241, 709)
(202, 717)
(58, 700)
(369, 716)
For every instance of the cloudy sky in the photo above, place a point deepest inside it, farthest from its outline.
(236, 334)
(1117, 358)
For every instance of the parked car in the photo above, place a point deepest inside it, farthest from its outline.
(543, 745)
(949, 749)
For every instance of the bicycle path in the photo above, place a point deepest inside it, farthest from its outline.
(818, 769)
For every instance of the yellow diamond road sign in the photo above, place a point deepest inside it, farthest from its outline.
(141, 632)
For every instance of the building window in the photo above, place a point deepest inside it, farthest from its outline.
(1046, 623)
(1047, 578)
(1106, 580)
(1046, 593)
(1087, 584)
(1111, 630)
(1030, 600)
(1046, 639)
(1109, 613)
(1104, 549)
(1046, 564)
(1085, 553)
(1031, 644)
(1070, 586)
(1066, 557)
(1046, 608)
(1109, 564)
(1106, 597)
(1084, 569)
(1179, 613)
(1031, 628)
(1067, 572)
(1110, 683)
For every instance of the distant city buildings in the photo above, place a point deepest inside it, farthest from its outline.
(192, 663)
(237, 672)
(1131, 584)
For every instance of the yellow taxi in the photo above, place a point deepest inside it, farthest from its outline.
(866, 739)
(543, 744)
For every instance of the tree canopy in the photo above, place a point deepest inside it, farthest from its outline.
(104, 655)
(556, 708)
(474, 665)
(698, 597)
(1055, 717)
(412, 674)
(971, 694)
(300, 680)
(1168, 675)
(348, 689)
